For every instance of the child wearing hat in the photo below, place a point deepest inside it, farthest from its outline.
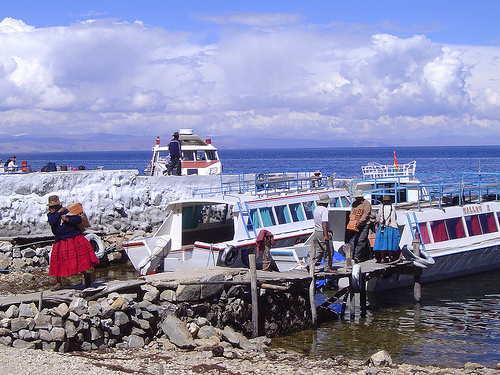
(71, 253)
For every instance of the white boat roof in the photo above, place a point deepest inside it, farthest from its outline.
(233, 199)
(189, 142)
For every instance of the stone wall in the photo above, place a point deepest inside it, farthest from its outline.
(163, 314)
(118, 200)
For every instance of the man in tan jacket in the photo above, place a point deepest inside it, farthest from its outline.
(359, 220)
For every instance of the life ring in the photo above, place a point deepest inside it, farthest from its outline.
(423, 261)
(229, 255)
(97, 244)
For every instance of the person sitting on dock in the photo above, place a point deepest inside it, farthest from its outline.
(321, 236)
(387, 237)
(10, 165)
(360, 216)
(174, 147)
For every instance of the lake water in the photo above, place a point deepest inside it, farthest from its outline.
(344, 162)
(458, 320)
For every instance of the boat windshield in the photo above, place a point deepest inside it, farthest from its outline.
(211, 155)
(207, 222)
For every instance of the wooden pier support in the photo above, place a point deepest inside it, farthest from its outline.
(312, 286)
(254, 292)
(417, 286)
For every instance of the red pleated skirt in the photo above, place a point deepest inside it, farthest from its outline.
(72, 256)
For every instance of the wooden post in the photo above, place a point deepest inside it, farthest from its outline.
(352, 301)
(417, 286)
(362, 294)
(348, 256)
(312, 286)
(254, 291)
(40, 301)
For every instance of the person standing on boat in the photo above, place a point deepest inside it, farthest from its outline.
(387, 237)
(71, 253)
(174, 147)
(360, 216)
(321, 236)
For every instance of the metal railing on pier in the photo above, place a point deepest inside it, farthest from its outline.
(268, 183)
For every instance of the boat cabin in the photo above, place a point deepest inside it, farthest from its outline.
(199, 157)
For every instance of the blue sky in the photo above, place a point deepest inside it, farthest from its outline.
(395, 71)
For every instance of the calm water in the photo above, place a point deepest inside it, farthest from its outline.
(458, 321)
(345, 162)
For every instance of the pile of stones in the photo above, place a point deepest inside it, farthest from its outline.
(208, 317)
(15, 257)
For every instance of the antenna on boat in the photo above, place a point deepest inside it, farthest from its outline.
(480, 166)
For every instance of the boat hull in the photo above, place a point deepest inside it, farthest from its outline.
(447, 266)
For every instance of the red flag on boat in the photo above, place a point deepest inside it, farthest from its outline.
(396, 166)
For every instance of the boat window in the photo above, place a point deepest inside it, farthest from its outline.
(211, 154)
(188, 156)
(345, 202)
(254, 214)
(439, 233)
(267, 216)
(191, 217)
(473, 225)
(216, 213)
(282, 214)
(423, 233)
(488, 224)
(455, 228)
(308, 209)
(200, 155)
(296, 211)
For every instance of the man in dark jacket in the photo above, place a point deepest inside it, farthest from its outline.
(174, 147)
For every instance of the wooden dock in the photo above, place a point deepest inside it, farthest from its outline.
(256, 279)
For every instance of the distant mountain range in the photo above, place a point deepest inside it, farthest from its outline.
(115, 142)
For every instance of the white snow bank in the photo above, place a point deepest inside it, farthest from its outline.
(113, 200)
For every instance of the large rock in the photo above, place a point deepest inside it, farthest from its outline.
(193, 293)
(380, 359)
(177, 332)
(5, 263)
(236, 339)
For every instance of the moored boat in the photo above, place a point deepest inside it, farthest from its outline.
(453, 218)
(221, 227)
(199, 156)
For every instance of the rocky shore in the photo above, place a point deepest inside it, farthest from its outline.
(159, 361)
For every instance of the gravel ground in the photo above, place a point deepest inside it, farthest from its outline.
(153, 361)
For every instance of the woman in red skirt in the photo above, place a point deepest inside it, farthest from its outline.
(72, 252)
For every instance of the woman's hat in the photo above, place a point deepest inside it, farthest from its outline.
(54, 201)
(386, 198)
(358, 194)
(324, 198)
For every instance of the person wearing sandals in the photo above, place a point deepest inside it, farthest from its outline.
(71, 253)
(387, 236)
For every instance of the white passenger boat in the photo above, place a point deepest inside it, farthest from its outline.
(199, 156)
(221, 227)
(454, 217)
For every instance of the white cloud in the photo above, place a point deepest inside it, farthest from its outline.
(273, 76)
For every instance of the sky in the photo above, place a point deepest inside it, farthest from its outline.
(397, 72)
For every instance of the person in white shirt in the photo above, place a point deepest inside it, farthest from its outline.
(321, 236)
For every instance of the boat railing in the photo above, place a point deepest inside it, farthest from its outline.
(438, 189)
(376, 170)
(270, 183)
